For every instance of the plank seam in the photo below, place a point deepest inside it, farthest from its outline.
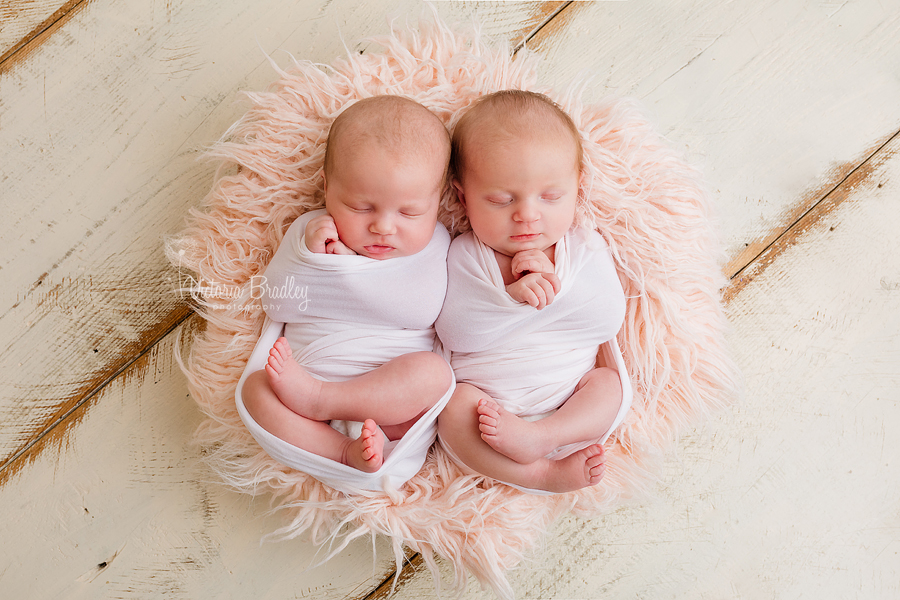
(92, 393)
(66, 10)
(815, 206)
(540, 26)
(414, 563)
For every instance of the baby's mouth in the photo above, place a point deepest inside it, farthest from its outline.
(378, 249)
(525, 237)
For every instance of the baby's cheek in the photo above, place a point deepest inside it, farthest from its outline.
(420, 237)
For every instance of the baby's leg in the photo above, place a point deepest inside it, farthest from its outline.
(391, 394)
(395, 432)
(586, 415)
(458, 429)
(365, 453)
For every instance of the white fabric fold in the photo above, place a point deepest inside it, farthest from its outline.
(529, 360)
(344, 316)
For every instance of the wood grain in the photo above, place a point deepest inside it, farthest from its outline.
(22, 22)
(778, 101)
(858, 177)
(106, 122)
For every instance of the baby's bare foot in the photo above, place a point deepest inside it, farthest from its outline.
(582, 469)
(367, 452)
(296, 388)
(509, 434)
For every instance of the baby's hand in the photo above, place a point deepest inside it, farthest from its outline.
(535, 289)
(535, 269)
(322, 237)
(530, 261)
(534, 261)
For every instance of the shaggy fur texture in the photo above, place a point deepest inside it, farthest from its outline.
(649, 205)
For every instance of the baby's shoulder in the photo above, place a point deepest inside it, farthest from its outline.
(441, 236)
(467, 237)
(462, 243)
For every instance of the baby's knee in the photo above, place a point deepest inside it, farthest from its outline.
(467, 395)
(431, 371)
(254, 390)
(461, 406)
(436, 367)
(604, 377)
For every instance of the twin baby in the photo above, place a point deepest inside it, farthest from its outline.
(523, 301)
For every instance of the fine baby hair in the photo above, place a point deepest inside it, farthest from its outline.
(513, 113)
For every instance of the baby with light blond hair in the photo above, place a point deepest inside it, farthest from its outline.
(531, 298)
(372, 265)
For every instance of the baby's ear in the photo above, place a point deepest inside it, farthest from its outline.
(459, 191)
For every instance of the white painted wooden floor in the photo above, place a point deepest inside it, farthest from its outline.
(792, 108)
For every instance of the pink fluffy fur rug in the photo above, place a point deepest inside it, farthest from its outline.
(646, 201)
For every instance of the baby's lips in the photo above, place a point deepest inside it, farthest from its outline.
(379, 249)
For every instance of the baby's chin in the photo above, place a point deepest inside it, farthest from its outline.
(511, 251)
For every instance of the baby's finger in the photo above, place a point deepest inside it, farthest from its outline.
(545, 265)
(533, 261)
(547, 289)
(526, 266)
(330, 230)
(553, 278)
(525, 293)
(537, 289)
(529, 297)
(336, 246)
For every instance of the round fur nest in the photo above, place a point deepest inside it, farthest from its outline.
(647, 202)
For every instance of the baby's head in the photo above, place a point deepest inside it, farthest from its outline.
(385, 171)
(517, 162)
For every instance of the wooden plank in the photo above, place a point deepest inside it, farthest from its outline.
(122, 508)
(777, 100)
(21, 21)
(106, 122)
(794, 493)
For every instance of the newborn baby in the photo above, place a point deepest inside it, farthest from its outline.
(372, 264)
(531, 298)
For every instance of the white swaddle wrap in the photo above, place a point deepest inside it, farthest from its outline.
(530, 360)
(344, 316)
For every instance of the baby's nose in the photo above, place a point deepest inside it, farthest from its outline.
(382, 225)
(527, 212)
